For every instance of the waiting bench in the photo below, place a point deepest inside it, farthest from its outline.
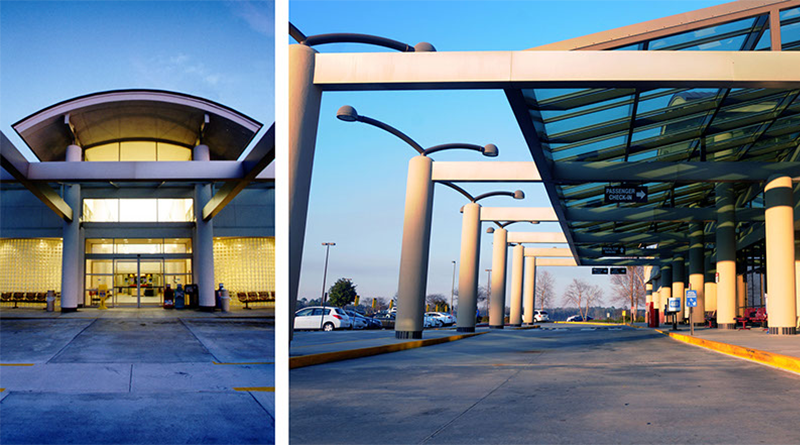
(255, 297)
(753, 316)
(23, 297)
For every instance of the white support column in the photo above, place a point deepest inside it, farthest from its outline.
(726, 256)
(305, 98)
(529, 291)
(203, 254)
(497, 301)
(710, 284)
(71, 251)
(666, 291)
(781, 303)
(517, 260)
(414, 249)
(678, 285)
(468, 269)
(697, 270)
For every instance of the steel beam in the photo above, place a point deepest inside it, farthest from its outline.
(590, 252)
(517, 213)
(536, 237)
(556, 262)
(622, 237)
(486, 172)
(555, 252)
(634, 214)
(642, 171)
(262, 154)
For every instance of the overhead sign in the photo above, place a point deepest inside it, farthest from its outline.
(691, 298)
(599, 271)
(619, 271)
(674, 304)
(613, 250)
(626, 193)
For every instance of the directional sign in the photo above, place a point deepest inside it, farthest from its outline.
(691, 298)
(626, 193)
(674, 304)
(599, 271)
(619, 271)
(613, 250)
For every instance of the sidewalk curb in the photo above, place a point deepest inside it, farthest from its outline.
(596, 323)
(328, 357)
(784, 362)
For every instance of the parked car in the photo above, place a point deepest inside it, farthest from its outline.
(444, 317)
(358, 321)
(311, 318)
(579, 318)
(386, 319)
(374, 323)
(432, 322)
(541, 316)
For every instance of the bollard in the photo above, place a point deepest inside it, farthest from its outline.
(51, 301)
(225, 300)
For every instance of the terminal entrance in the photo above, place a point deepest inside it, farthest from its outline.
(132, 279)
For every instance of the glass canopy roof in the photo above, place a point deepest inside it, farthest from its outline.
(672, 124)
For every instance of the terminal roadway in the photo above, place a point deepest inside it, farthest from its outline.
(561, 384)
(137, 380)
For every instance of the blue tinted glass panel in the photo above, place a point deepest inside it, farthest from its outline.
(701, 36)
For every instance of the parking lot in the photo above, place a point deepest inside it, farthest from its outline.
(178, 379)
(569, 384)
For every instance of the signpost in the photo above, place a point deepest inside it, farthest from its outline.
(613, 250)
(619, 271)
(599, 271)
(625, 193)
(691, 303)
(674, 307)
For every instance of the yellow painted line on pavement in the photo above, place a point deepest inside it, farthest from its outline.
(767, 358)
(597, 323)
(16, 364)
(245, 363)
(328, 357)
(255, 388)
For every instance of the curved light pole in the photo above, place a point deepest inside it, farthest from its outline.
(416, 224)
(345, 37)
(324, 279)
(470, 256)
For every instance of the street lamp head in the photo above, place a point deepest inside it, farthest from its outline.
(347, 114)
(490, 150)
(328, 244)
(490, 230)
(424, 47)
(519, 194)
(534, 222)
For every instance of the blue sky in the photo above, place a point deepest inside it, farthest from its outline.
(53, 51)
(360, 172)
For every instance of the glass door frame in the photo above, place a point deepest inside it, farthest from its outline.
(138, 258)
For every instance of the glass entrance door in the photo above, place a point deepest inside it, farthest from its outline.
(139, 282)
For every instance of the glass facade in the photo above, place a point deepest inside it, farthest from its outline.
(138, 151)
(30, 265)
(244, 265)
(138, 210)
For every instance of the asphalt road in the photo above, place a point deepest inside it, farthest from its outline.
(561, 384)
(137, 381)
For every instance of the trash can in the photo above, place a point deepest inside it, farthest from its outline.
(179, 297)
(169, 298)
(51, 301)
(225, 300)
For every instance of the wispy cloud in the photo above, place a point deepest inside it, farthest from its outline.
(175, 72)
(259, 15)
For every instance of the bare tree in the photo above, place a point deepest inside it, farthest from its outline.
(580, 293)
(544, 289)
(436, 300)
(628, 289)
(483, 300)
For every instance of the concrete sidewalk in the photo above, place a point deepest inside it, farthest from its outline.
(132, 312)
(317, 342)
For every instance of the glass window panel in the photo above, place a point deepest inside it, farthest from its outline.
(101, 210)
(178, 245)
(765, 41)
(790, 35)
(172, 152)
(137, 151)
(175, 210)
(138, 210)
(99, 245)
(103, 153)
(787, 14)
(138, 245)
(702, 36)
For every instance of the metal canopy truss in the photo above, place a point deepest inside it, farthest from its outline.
(675, 104)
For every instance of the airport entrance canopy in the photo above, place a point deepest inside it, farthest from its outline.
(673, 105)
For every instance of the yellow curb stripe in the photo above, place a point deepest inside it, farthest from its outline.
(245, 363)
(255, 388)
(591, 322)
(328, 357)
(768, 358)
(16, 364)
(523, 328)
(2, 389)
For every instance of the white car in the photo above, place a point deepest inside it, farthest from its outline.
(311, 318)
(444, 317)
(432, 322)
(541, 316)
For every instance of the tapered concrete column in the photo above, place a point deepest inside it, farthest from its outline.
(678, 282)
(71, 251)
(517, 260)
(74, 154)
(779, 229)
(648, 298)
(497, 301)
(414, 250)
(305, 99)
(203, 253)
(710, 284)
(529, 291)
(726, 256)
(697, 270)
(468, 268)
(657, 300)
(741, 294)
(666, 291)
(797, 280)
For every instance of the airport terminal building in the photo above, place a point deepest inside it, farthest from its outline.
(135, 192)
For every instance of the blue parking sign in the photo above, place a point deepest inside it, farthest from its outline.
(691, 298)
